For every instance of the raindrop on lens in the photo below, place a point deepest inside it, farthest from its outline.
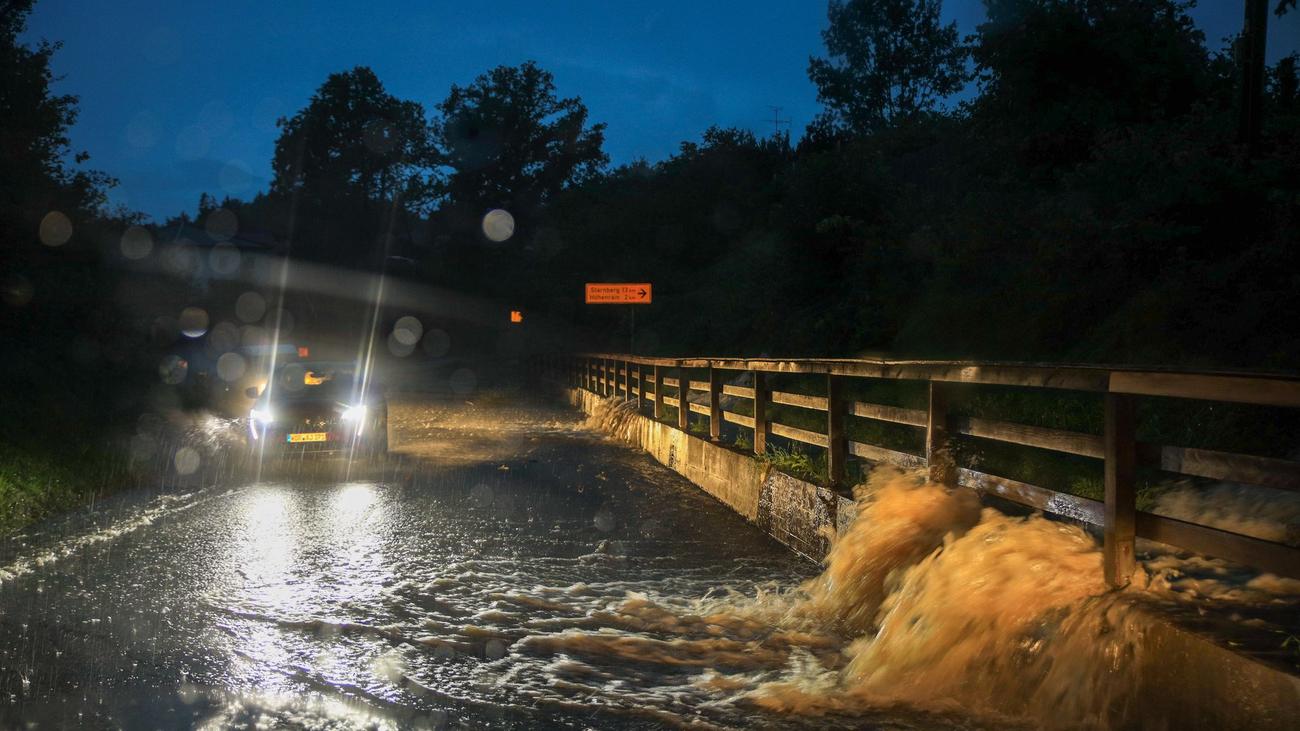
(498, 225)
(56, 229)
(224, 337)
(172, 369)
(250, 307)
(408, 330)
(224, 259)
(187, 460)
(463, 381)
(604, 521)
(397, 347)
(252, 336)
(494, 649)
(137, 242)
(293, 377)
(194, 322)
(436, 343)
(231, 366)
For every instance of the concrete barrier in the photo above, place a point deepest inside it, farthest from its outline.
(797, 513)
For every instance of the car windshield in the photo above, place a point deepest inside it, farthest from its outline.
(314, 382)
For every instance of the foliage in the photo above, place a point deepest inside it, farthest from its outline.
(511, 143)
(889, 60)
(347, 164)
(795, 461)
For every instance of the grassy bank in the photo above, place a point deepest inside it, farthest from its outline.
(38, 480)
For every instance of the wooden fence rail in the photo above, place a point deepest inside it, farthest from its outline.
(632, 378)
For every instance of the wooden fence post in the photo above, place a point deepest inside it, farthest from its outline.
(760, 412)
(1118, 561)
(640, 386)
(837, 444)
(659, 393)
(938, 450)
(683, 400)
(715, 403)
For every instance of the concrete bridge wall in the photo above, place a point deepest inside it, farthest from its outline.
(796, 513)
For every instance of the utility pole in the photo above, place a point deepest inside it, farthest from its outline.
(1253, 36)
(777, 121)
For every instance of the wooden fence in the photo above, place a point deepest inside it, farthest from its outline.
(650, 380)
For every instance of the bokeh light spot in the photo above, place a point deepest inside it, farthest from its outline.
(463, 381)
(194, 322)
(137, 243)
(231, 366)
(498, 225)
(187, 460)
(408, 330)
(250, 307)
(252, 336)
(224, 337)
(172, 369)
(397, 347)
(224, 259)
(56, 229)
(436, 343)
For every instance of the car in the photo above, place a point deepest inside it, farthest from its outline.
(318, 408)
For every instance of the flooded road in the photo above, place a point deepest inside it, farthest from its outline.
(510, 567)
(444, 590)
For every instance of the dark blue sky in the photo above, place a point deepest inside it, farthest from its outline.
(177, 99)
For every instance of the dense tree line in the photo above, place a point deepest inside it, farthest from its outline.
(1067, 183)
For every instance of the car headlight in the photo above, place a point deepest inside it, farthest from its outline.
(262, 416)
(354, 413)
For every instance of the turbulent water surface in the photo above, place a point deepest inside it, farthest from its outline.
(511, 569)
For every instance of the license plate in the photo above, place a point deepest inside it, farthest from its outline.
(318, 436)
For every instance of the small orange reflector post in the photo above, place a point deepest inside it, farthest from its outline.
(516, 316)
(303, 351)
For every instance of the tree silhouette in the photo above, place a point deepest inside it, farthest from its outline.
(355, 156)
(889, 60)
(511, 143)
(354, 139)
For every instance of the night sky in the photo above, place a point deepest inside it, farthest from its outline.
(178, 99)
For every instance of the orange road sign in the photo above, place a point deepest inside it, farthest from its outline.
(617, 293)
